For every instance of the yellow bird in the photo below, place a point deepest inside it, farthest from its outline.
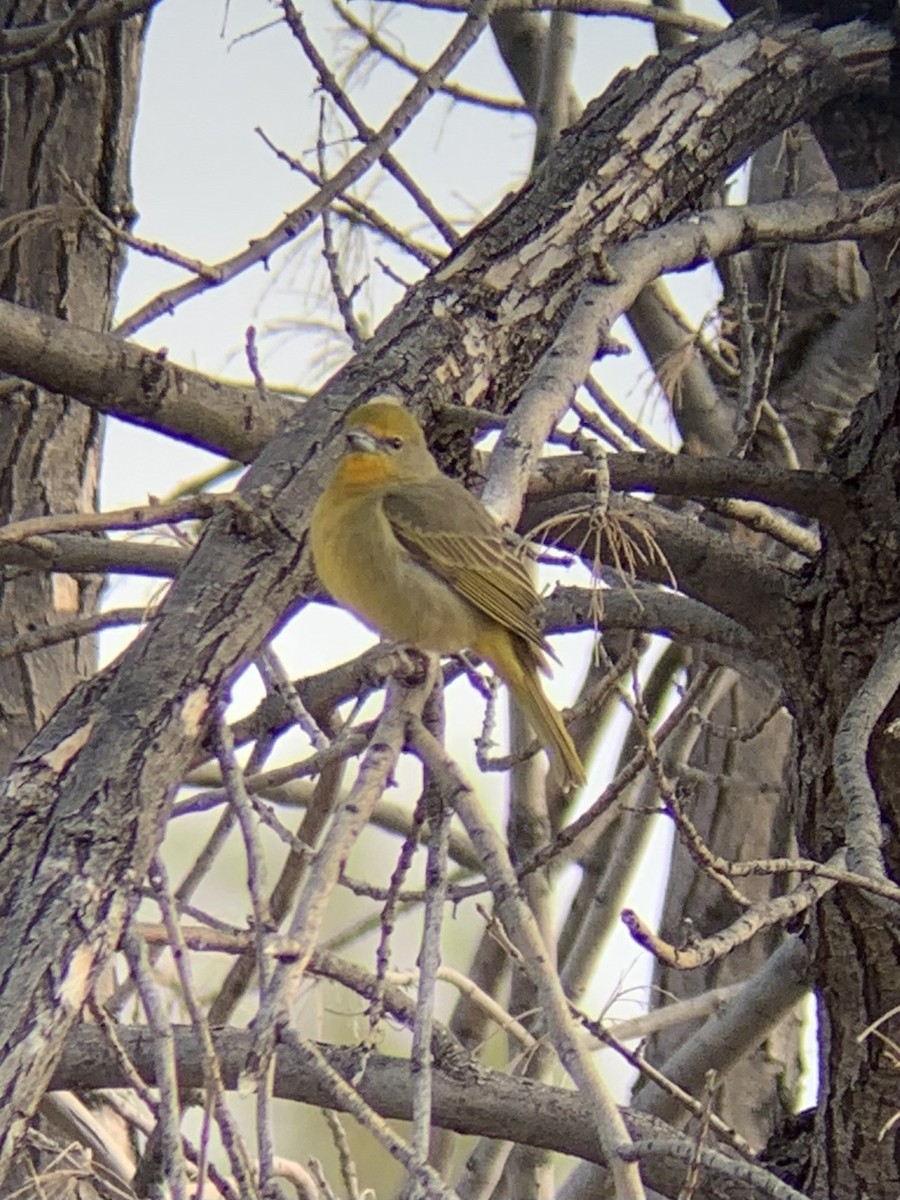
(418, 559)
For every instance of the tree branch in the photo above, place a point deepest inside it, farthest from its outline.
(706, 564)
(813, 494)
(138, 385)
(467, 1099)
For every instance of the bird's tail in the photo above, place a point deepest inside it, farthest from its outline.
(552, 733)
(515, 662)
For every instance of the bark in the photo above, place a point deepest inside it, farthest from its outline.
(70, 115)
(67, 116)
(844, 609)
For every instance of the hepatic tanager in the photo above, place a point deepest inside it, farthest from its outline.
(417, 558)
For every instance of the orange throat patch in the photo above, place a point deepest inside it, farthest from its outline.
(363, 469)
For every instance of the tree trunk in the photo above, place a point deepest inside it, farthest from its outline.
(742, 808)
(68, 117)
(844, 611)
(67, 122)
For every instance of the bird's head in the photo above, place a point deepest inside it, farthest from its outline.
(384, 442)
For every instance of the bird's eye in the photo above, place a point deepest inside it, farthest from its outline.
(395, 443)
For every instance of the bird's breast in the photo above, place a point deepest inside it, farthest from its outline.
(367, 570)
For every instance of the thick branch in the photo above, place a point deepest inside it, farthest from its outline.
(139, 385)
(706, 564)
(467, 1099)
(808, 493)
(654, 611)
(638, 10)
(80, 554)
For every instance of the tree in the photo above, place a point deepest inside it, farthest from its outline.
(766, 557)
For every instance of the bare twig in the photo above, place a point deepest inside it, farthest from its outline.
(636, 9)
(36, 639)
(330, 84)
(257, 886)
(605, 902)
(680, 1097)
(752, 921)
(296, 222)
(148, 249)
(231, 1135)
(520, 922)
(383, 47)
(350, 818)
(173, 1174)
(431, 1186)
(568, 837)
(356, 212)
(186, 508)
(438, 816)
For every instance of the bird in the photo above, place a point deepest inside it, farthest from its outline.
(418, 559)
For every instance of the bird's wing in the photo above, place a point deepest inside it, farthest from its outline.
(448, 531)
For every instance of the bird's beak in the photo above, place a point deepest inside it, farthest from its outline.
(361, 439)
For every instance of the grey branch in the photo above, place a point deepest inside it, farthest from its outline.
(468, 1098)
(850, 758)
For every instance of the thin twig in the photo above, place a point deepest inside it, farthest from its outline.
(755, 919)
(295, 223)
(330, 84)
(37, 639)
(257, 886)
(173, 1172)
(349, 1099)
(350, 818)
(519, 921)
(231, 1136)
(343, 298)
(186, 508)
(356, 212)
(454, 90)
